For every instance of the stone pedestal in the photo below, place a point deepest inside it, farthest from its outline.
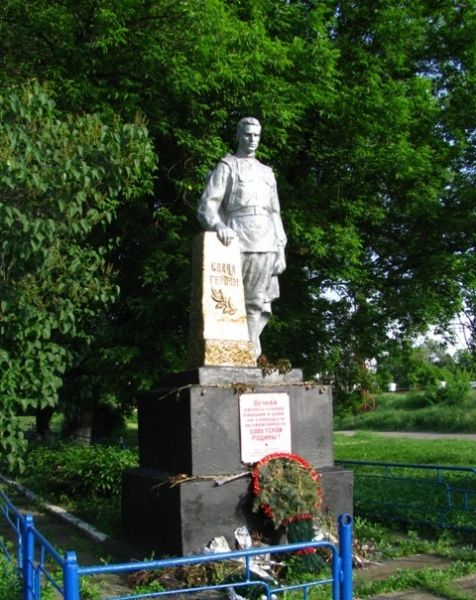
(190, 426)
(182, 519)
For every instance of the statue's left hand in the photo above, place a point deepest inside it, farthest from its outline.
(280, 263)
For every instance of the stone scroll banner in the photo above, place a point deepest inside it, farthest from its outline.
(218, 333)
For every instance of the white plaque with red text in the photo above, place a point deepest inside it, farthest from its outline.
(265, 425)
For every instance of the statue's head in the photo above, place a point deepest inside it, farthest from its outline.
(248, 132)
(246, 121)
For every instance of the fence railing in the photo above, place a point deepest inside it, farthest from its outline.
(440, 496)
(39, 563)
(36, 561)
(15, 520)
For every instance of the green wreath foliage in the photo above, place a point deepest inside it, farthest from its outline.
(286, 489)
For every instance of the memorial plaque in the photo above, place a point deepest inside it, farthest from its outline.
(265, 425)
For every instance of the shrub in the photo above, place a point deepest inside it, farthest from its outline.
(347, 403)
(79, 470)
(416, 399)
(456, 391)
(10, 585)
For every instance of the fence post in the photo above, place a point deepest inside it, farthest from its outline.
(28, 556)
(345, 552)
(71, 577)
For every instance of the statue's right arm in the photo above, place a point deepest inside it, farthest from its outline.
(209, 213)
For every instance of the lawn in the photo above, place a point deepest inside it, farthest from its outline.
(413, 411)
(369, 446)
(420, 496)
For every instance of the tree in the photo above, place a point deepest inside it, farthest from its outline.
(368, 114)
(382, 166)
(193, 87)
(416, 366)
(62, 179)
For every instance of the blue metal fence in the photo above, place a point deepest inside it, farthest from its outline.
(39, 562)
(15, 520)
(440, 496)
(36, 560)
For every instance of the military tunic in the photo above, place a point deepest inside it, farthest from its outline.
(241, 193)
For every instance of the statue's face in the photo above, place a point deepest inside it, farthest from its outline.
(248, 139)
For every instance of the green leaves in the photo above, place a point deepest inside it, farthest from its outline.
(80, 471)
(286, 489)
(61, 184)
(368, 120)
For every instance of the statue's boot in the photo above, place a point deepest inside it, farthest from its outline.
(255, 328)
(257, 321)
(264, 317)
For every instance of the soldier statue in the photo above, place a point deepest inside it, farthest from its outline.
(241, 201)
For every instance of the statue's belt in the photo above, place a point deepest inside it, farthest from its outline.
(248, 211)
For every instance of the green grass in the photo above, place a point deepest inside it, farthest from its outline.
(412, 494)
(438, 582)
(371, 446)
(413, 412)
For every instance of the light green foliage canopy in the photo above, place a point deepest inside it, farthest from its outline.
(62, 179)
(369, 120)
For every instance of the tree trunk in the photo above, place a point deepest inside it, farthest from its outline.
(81, 429)
(42, 420)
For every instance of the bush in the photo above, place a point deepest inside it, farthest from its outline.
(79, 470)
(455, 391)
(416, 399)
(347, 403)
(10, 584)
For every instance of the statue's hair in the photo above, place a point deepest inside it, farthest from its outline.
(246, 121)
